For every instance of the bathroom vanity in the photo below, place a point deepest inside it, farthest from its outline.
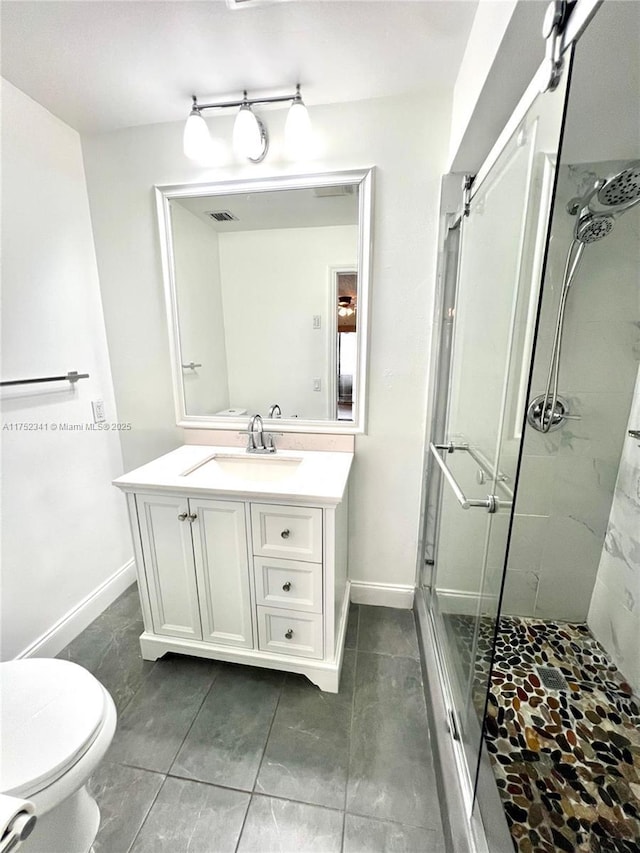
(243, 557)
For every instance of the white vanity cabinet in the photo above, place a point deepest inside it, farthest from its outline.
(241, 576)
(195, 562)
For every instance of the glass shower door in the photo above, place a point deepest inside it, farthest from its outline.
(474, 458)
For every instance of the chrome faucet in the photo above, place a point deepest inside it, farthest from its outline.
(259, 441)
(275, 411)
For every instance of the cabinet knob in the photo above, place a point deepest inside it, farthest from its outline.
(183, 515)
(289, 634)
(285, 534)
(286, 586)
(192, 517)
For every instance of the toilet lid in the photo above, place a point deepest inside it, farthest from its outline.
(50, 713)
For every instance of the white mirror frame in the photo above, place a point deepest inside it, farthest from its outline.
(165, 193)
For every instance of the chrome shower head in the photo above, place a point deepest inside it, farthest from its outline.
(592, 227)
(621, 189)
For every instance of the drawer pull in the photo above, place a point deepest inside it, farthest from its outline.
(285, 534)
(183, 515)
(286, 586)
(289, 634)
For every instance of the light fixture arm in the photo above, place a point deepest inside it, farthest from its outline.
(245, 101)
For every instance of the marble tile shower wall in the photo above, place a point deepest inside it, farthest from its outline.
(614, 615)
(568, 476)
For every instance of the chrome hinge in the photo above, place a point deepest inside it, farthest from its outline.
(553, 27)
(466, 194)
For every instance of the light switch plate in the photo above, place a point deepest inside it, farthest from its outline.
(98, 411)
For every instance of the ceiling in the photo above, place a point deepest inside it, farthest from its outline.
(100, 65)
(255, 211)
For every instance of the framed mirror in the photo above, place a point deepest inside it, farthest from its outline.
(266, 285)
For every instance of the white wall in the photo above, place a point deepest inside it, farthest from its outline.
(201, 319)
(64, 528)
(614, 614)
(274, 282)
(504, 49)
(487, 32)
(406, 139)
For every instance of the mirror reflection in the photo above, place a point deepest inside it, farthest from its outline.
(265, 291)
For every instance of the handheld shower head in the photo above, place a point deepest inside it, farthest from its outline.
(592, 227)
(607, 199)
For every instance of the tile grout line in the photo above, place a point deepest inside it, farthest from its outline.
(353, 705)
(253, 789)
(139, 687)
(148, 812)
(195, 717)
(167, 774)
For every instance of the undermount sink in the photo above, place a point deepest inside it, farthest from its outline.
(261, 468)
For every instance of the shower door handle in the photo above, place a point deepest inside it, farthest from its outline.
(490, 503)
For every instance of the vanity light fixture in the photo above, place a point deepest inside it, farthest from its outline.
(250, 137)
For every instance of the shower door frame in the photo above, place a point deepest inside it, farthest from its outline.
(457, 788)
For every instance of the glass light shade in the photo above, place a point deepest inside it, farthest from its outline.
(196, 141)
(297, 130)
(247, 138)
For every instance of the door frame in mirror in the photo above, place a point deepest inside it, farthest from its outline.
(165, 193)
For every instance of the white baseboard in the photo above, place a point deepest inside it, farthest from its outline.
(52, 642)
(382, 594)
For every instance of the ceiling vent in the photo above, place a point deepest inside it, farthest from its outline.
(246, 4)
(222, 215)
(330, 192)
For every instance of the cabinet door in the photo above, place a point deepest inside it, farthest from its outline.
(168, 561)
(222, 568)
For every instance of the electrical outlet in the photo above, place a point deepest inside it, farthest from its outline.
(317, 321)
(317, 385)
(98, 411)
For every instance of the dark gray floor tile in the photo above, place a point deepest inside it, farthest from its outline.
(307, 754)
(391, 773)
(388, 631)
(189, 816)
(124, 795)
(228, 737)
(154, 724)
(281, 826)
(351, 638)
(125, 608)
(366, 835)
(110, 649)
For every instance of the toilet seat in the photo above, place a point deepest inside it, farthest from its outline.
(51, 712)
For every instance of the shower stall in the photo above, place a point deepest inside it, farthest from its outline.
(529, 601)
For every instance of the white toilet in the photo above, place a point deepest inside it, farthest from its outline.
(57, 722)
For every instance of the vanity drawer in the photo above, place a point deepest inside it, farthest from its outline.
(288, 583)
(294, 633)
(292, 532)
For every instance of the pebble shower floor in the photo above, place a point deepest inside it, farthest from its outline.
(567, 762)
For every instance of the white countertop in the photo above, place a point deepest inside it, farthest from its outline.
(308, 476)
